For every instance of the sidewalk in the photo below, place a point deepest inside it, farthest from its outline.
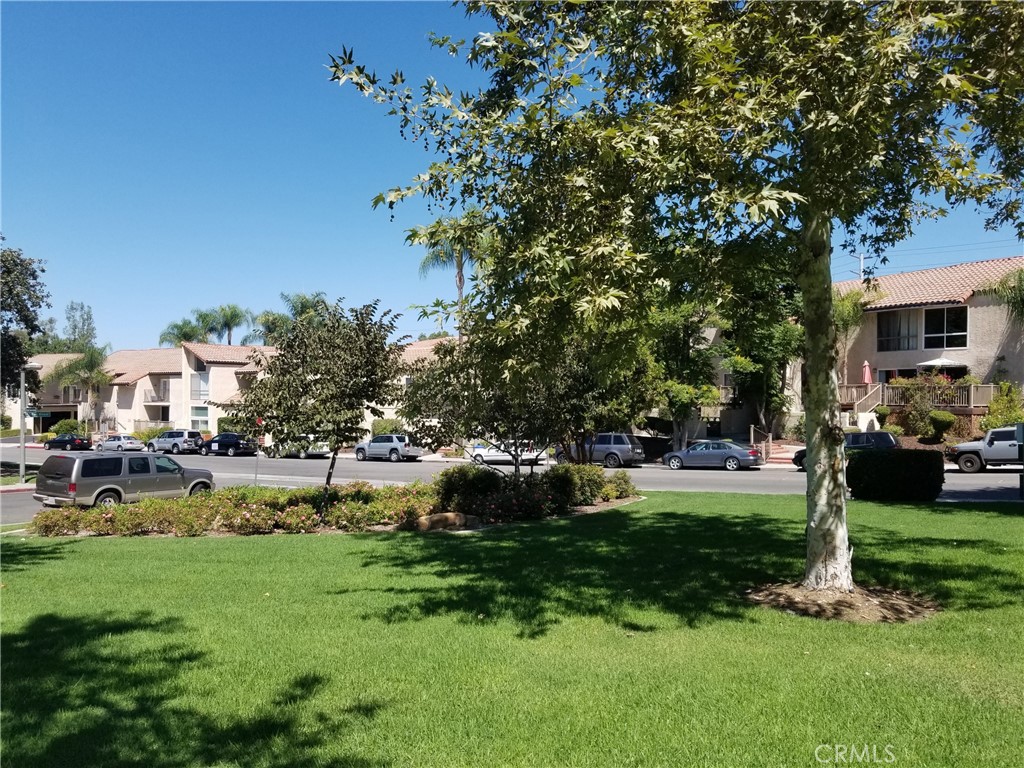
(18, 488)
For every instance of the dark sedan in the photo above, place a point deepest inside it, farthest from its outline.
(68, 442)
(230, 443)
(713, 453)
(855, 441)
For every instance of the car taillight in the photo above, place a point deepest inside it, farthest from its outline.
(72, 488)
(754, 453)
(406, 443)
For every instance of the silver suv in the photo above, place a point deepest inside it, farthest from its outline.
(176, 441)
(105, 479)
(390, 447)
(613, 449)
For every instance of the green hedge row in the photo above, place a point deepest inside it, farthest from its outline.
(899, 474)
(357, 506)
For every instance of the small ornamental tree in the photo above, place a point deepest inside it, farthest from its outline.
(331, 367)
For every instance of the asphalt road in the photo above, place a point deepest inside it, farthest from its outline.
(994, 484)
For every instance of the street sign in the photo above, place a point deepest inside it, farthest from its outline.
(33, 414)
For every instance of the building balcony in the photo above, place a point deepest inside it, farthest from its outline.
(141, 425)
(861, 398)
(157, 396)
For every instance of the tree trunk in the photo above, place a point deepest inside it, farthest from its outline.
(828, 550)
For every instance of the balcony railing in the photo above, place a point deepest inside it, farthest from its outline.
(200, 394)
(865, 397)
(141, 425)
(157, 395)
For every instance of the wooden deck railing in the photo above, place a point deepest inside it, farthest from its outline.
(865, 397)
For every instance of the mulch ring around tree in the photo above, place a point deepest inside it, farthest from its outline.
(864, 605)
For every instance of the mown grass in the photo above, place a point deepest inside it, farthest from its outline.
(612, 639)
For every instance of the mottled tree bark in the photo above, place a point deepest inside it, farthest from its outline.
(828, 549)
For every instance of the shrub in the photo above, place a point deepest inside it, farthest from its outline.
(347, 515)
(145, 435)
(575, 485)
(250, 519)
(65, 426)
(1006, 407)
(895, 429)
(882, 413)
(62, 521)
(895, 475)
(231, 424)
(941, 422)
(301, 518)
(394, 504)
(799, 430)
(44, 436)
(386, 427)
(607, 492)
(463, 488)
(622, 482)
(5, 421)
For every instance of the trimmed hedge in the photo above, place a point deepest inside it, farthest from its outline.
(899, 474)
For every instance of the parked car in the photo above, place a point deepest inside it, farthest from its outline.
(613, 449)
(856, 441)
(309, 447)
(390, 447)
(176, 441)
(121, 443)
(999, 446)
(68, 442)
(89, 479)
(715, 453)
(489, 453)
(230, 443)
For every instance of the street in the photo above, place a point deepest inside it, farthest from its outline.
(993, 485)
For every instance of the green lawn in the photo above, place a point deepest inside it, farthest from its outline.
(613, 639)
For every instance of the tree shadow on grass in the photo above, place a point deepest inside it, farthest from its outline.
(21, 555)
(608, 565)
(691, 566)
(78, 691)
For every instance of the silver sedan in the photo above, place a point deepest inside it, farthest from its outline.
(121, 443)
(714, 453)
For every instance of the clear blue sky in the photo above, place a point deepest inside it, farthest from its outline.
(167, 156)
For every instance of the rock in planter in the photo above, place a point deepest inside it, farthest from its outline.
(444, 521)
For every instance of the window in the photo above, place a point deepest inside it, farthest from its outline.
(165, 466)
(897, 331)
(138, 465)
(604, 439)
(381, 439)
(200, 386)
(200, 417)
(102, 467)
(945, 328)
(620, 440)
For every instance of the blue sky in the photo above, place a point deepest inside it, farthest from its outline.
(167, 156)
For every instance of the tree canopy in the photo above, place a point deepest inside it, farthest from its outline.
(21, 299)
(606, 125)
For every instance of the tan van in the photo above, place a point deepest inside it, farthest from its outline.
(87, 479)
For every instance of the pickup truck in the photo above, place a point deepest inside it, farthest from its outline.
(999, 446)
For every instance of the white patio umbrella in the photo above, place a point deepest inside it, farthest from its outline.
(941, 362)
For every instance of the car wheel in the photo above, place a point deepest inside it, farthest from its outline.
(151, 448)
(675, 463)
(175, 449)
(204, 451)
(478, 459)
(732, 463)
(120, 447)
(46, 446)
(969, 463)
(198, 488)
(394, 457)
(107, 499)
(231, 451)
(561, 459)
(360, 455)
(612, 461)
(302, 454)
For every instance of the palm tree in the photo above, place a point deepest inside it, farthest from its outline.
(1010, 291)
(209, 321)
(183, 331)
(87, 372)
(230, 316)
(271, 327)
(457, 244)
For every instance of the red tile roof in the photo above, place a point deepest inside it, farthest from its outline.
(226, 354)
(943, 285)
(418, 350)
(50, 360)
(129, 365)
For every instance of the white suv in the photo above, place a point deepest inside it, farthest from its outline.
(176, 441)
(390, 447)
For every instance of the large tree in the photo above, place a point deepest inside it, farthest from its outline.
(22, 296)
(331, 367)
(79, 331)
(604, 121)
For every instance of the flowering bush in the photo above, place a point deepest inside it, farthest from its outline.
(301, 518)
(347, 516)
(250, 518)
(63, 521)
